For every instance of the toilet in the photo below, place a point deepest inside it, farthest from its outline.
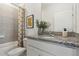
(25, 42)
(19, 51)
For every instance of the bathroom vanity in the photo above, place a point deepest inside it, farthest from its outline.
(58, 16)
(51, 46)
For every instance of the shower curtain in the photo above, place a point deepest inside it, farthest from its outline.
(21, 23)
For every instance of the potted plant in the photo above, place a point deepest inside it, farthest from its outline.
(42, 25)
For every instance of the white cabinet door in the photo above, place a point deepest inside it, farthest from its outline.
(43, 53)
(32, 51)
(53, 49)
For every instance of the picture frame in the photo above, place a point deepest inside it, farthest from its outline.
(30, 21)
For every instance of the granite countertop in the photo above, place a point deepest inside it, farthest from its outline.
(67, 41)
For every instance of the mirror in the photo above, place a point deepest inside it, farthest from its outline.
(60, 16)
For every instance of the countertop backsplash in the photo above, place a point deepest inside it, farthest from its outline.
(70, 34)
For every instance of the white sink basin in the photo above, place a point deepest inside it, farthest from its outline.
(51, 38)
(48, 37)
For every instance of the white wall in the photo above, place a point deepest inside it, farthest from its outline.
(76, 17)
(35, 9)
(8, 22)
(77, 21)
(59, 15)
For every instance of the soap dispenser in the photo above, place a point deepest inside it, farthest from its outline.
(65, 33)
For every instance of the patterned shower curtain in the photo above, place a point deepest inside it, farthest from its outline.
(21, 23)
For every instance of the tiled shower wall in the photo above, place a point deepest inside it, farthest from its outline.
(8, 23)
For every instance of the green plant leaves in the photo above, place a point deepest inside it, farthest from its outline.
(41, 24)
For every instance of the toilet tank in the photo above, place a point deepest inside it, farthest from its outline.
(25, 42)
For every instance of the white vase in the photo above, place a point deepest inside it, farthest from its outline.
(64, 33)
